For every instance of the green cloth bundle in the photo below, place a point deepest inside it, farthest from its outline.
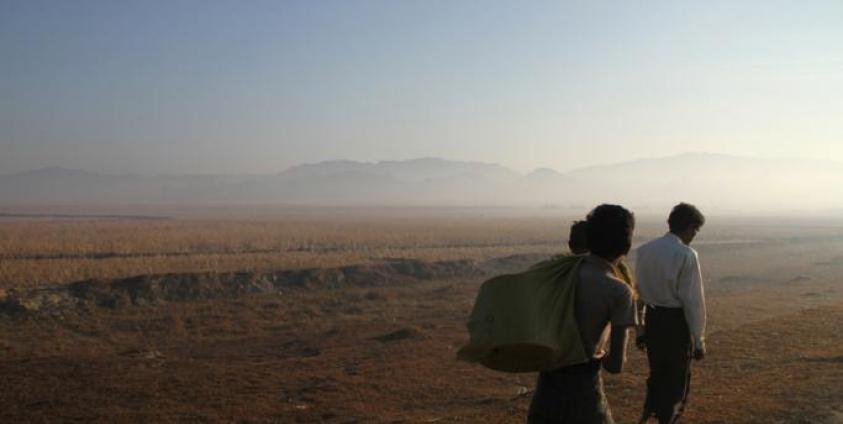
(525, 322)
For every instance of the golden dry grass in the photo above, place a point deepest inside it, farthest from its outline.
(36, 253)
(44, 251)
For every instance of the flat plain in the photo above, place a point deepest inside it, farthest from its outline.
(356, 318)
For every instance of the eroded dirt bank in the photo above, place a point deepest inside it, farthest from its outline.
(187, 287)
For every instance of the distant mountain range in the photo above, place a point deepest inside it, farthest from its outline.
(721, 182)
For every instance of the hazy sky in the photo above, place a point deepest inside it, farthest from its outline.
(256, 86)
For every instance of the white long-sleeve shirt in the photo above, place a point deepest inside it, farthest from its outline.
(668, 274)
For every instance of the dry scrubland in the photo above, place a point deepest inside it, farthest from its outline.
(384, 352)
(42, 252)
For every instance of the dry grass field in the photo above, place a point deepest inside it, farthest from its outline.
(41, 252)
(352, 352)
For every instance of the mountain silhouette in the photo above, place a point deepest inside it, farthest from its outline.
(723, 182)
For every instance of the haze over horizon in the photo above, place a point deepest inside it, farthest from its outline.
(574, 168)
(194, 87)
(719, 183)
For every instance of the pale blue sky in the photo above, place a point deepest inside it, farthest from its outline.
(256, 86)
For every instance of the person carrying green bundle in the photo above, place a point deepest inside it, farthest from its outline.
(604, 307)
(555, 318)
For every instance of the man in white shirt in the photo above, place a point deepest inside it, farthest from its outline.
(671, 293)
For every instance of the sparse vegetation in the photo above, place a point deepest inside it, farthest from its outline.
(358, 352)
(34, 253)
(39, 252)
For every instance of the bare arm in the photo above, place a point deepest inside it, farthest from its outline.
(613, 362)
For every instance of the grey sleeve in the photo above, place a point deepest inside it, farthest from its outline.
(623, 309)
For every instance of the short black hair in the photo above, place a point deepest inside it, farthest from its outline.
(685, 216)
(610, 230)
(578, 237)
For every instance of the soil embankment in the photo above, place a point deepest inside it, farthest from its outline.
(186, 287)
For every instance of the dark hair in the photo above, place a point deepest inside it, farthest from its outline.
(685, 216)
(578, 237)
(610, 231)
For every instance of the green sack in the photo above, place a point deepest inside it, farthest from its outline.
(525, 322)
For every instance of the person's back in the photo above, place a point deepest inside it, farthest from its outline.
(661, 264)
(602, 298)
(574, 394)
(670, 287)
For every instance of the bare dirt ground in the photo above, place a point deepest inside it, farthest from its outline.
(386, 353)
